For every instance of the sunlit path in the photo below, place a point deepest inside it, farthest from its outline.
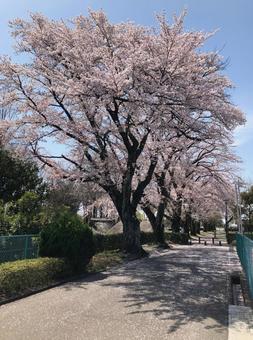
(179, 294)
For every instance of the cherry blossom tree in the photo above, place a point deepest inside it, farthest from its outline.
(109, 97)
(185, 179)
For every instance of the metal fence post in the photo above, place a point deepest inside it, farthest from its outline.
(18, 247)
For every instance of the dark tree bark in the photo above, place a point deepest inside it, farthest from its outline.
(126, 201)
(195, 227)
(131, 233)
(188, 222)
(198, 227)
(176, 217)
(156, 220)
(156, 224)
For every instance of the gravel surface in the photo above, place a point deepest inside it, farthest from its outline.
(178, 294)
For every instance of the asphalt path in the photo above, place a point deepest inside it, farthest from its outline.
(178, 294)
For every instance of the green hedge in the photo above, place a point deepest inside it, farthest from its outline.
(179, 238)
(20, 277)
(147, 237)
(107, 242)
(231, 237)
(115, 241)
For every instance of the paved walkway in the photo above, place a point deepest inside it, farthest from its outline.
(178, 295)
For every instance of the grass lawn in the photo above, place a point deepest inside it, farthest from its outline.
(105, 260)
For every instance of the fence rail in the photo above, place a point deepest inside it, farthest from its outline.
(244, 247)
(18, 247)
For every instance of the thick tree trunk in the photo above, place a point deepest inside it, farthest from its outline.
(131, 225)
(176, 223)
(177, 216)
(131, 233)
(157, 225)
(176, 219)
(160, 237)
(195, 227)
(198, 227)
(126, 199)
(188, 223)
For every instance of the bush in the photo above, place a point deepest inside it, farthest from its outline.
(249, 235)
(248, 226)
(66, 236)
(115, 241)
(179, 238)
(108, 242)
(231, 237)
(147, 237)
(22, 276)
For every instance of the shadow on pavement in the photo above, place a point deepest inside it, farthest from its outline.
(182, 286)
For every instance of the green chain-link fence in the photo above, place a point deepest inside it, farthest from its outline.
(245, 252)
(18, 247)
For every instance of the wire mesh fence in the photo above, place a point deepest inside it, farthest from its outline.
(18, 247)
(244, 247)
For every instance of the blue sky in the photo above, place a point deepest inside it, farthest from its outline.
(233, 18)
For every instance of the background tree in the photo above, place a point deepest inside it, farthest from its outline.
(7, 113)
(22, 192)
(64, 194)
(26, 215)
(247, 208)
(191, 167)
(18, 176)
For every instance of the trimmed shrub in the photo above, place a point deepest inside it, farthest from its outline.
(231, 237)
(249, 235)
(105, 242)
(108, 242)
(147, 237)
(22, 276)
(66, 236)
(179, 238)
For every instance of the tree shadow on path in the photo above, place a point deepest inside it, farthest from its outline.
(181, 286)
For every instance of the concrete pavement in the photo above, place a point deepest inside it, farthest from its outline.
(180, 294)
